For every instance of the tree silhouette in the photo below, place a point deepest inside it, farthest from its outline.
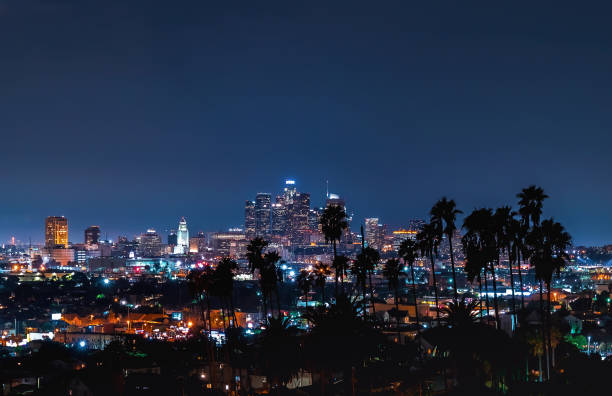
(305, 280)
(321, 272)
(443, 216)
(427, 241)
(408, 251)
(392, 271)
(481, 248)
(333, 223)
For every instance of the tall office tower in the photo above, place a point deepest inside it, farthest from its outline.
(197, 244)
(314, 218)
(289, 191)
(416, 224)
(56, 231)
(150, 244)
(92, 235)
(172, 238)
(372, 232)
(299, 210)
(335, 200)
(278, 225)
(249, 220)
(182, 238)
(262, 214)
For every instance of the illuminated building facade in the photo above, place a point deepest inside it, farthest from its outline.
(150, 244)
(56, 231)
(249, 219)
(182, 238)
(197, 243)
(372, 233)
(263, 209)
(92, 235)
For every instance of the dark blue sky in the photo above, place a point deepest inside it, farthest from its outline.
(131, 114)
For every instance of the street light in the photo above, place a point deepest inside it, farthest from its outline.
(589, 345)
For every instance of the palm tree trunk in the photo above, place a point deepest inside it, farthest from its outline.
(480, 294)
(518, 259)
(372, 294)
(397, 317)
(414, 292)
(543, 326)
(336, 270)
(512, 287)
(450, 245)
(486, 289)
(549, 327)
(435, 284)
(495, 294)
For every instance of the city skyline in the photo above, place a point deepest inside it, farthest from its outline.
(79, 226)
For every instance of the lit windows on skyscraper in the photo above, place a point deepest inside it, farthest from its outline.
(56, 231)
(249, 219)
(263, 209)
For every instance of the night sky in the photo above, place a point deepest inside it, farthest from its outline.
(131, 114)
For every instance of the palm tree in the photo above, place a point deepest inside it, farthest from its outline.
(371, 257)
(408, 251)
(341, 266)
(474, 263)
(224, 285)
(428, 242)
(517, 232)
(481, 248)
(255, 250)
(280, 355)
(269, 278)
(549, 242)
(304, 280)
(333, 223)
(392, 271)
(360, 272)
(460, 313)
(443, 216)
(530, 203)
(504, 224)
(321, 272)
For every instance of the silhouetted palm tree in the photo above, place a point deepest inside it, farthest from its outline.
(408, 251)
(341, 267)
(460, 313)
(333, 223)
(518, 231)
(481, 248)
(443, 216)
(392, 271)
(304, 281)
(504, 224)
(530, 203)
(428, 242)
(280, 357)
(270, 277)
(224, 285)
(360, 272)
(255, 252)
(549, 242)
(321, 272)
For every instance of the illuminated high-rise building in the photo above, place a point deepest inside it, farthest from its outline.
(298, 218)
(372, 232)
(56, 231)
(279, 217)
(150, 244)
(92, 235)
(249, 220)
(172, 239)
(263, 209)
(197, 244)
(182, 238)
